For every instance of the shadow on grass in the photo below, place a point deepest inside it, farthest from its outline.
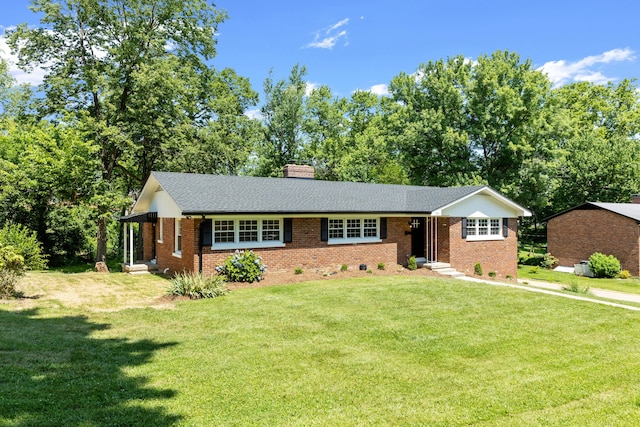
(54, 373)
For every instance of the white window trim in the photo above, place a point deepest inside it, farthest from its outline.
(237, 244)
(160, 230)
(485, 237)
(177, 225)
(355, 240)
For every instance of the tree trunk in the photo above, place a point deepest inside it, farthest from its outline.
(101, 252)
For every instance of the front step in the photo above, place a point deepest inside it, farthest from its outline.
(443, 268)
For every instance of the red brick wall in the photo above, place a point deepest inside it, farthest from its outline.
(306, 250)
(165, 249)
(147, 241)
(577, 234)
(500, 256)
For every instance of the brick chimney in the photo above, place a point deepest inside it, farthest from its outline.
(299, 171)
(635, 199)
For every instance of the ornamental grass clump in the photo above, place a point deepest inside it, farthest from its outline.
(196, 286)
(243, 266)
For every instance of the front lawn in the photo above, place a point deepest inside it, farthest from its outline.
(367, 351)
(631, 285)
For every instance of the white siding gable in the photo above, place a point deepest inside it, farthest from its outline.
(480, 206)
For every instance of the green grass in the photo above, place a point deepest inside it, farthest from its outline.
(367, 351)
(631, 285)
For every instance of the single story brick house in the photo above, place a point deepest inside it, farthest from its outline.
(193, 222)
(609, 228)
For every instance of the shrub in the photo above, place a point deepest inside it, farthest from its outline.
(534, 269)
(477, 269)
(343, 267)
(492, 274)
(548, 261)
(412, 263)
(297, 270)
(624, 274)
(11, 269)
(509, 277)
(381, 266)
(195, 286)
(24, 242)
(243, 266)
(602, 265)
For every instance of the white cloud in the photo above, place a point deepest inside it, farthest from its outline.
(254, 114)
(33, 77)
(380, 89)
(328, 37)
(309, 88)
(562, 72)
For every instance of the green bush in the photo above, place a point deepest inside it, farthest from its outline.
(243, 266)
(624, 274)
(24, 242)
(548, 261)
(492, 274)
(606, 266)
(195, 286)
(412, 264)
(381, 266)
(11, 269)
(477, 269)
(344, 267)
(297, 270)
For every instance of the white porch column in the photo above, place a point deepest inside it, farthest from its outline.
(130, 243)
(124, 231)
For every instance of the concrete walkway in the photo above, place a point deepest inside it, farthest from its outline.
(553, 288)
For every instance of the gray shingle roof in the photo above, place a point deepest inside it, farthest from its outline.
(629, 210)
(209, 194)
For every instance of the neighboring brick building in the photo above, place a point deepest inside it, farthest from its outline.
(193, 222)
(608, 228)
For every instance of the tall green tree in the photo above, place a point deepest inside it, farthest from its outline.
(430, 122)
(283, 114)
(136, 75)
(599, 157)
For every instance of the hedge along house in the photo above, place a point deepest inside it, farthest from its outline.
(193, 222)
(609, 228)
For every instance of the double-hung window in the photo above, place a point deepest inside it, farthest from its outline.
(247, 233)
(484, 229)
(353, 230)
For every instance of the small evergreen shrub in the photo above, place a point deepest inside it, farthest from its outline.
(624, 274)
(604, 266)
(477, 269)
(195, 286)
(381, 266)
(509, 277)
(25, 243)
(243, 266)
(297, 270)
(11, 269)
(344, 267)
(548, 261)
(492, 274)
(412, 264)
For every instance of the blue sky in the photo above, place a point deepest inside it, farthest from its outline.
(362, 44)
